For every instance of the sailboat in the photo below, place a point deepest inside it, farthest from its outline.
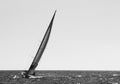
(31, 70)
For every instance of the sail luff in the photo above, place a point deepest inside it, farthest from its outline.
(41, 48)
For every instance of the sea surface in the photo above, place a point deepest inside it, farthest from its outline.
(61, 77)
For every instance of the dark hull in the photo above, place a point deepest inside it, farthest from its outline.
(62, 77)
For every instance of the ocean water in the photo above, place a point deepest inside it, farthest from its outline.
(61, 77)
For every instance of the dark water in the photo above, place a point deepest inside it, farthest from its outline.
(61, 77)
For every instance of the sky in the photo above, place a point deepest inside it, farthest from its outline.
(85, 34)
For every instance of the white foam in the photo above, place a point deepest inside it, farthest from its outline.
(14, 77)
(31, 76)
(114, 83)
(79, 76)
(116, 75)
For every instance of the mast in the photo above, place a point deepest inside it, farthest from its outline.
(41, 49)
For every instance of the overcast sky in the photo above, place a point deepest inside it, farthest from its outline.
(85, 34)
